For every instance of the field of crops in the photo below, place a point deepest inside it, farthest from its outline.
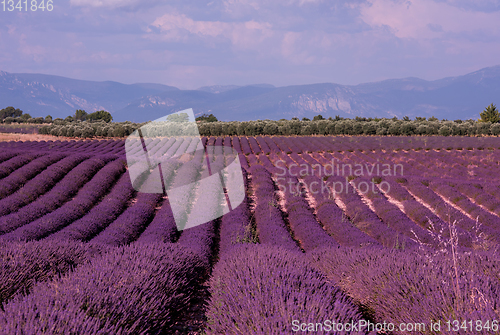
(335, 235)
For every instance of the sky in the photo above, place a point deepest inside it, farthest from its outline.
(189, 44)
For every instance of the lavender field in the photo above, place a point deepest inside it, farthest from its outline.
(336, 235)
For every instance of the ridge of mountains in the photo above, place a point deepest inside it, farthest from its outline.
(460, 97)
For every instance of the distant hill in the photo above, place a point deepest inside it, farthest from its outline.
(461, 97)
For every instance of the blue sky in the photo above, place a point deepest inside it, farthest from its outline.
(189, 44)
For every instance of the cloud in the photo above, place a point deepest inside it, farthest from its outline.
(427, 19)
(110, 3)
(244, 35)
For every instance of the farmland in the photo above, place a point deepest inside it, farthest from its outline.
(350, 229)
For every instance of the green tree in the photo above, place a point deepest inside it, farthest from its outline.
(25, 116)
(207, 118)
(69, 119)
(10, 112)
(48, 119)
(100, 115)
(445, 131)
(80, 114)
(490, 114)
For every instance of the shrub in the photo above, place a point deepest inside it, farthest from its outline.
(407, 128)
(340, 128)
(445, 131)
(118, 131)
(309, 129)
(9, 120)
(55, 131)
(381, 130)
(394, 129)
(357, 128)
(58, 122)
(44, 130)
(370, 128)
(87, 132)
(77, 132)
(63, 131)
(269, 129)
(422, 130)
(330, 129)
(483, 128)
(70, 131)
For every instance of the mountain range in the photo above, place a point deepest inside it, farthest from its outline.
(460, 97)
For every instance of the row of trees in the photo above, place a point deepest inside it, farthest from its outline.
(351, 127)
(10, 115)
(268, 127)
(86, 129)
(99, 124)
(82, 115)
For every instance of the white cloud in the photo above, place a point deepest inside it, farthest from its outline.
(243, 35)
(427, 19)
(105, 3)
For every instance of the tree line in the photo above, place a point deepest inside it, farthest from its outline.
(98, 124)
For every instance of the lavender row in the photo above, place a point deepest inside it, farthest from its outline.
(9, 166)
(101, 215)
(6, 155)
(271, 228)
(263, 145)
(254, 146)
(186, 177)
(236, 226)
(56, 197)
(412, 288)
(72, 210)
(205, 208)
(332, 218)
(446, 212)
(391, 215)
(302, 221)
(131, 223)
(247, 298)
(40, 184)
(286, 144)
(281, 145)
(364, 218)
(163, 227)
(425, 218)
(271, 145)
(157, 281)
(476, 192)
(89, 147)
(459, 200)
(491, 190)
(19, 177)
(24, 264)
(245, 147)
